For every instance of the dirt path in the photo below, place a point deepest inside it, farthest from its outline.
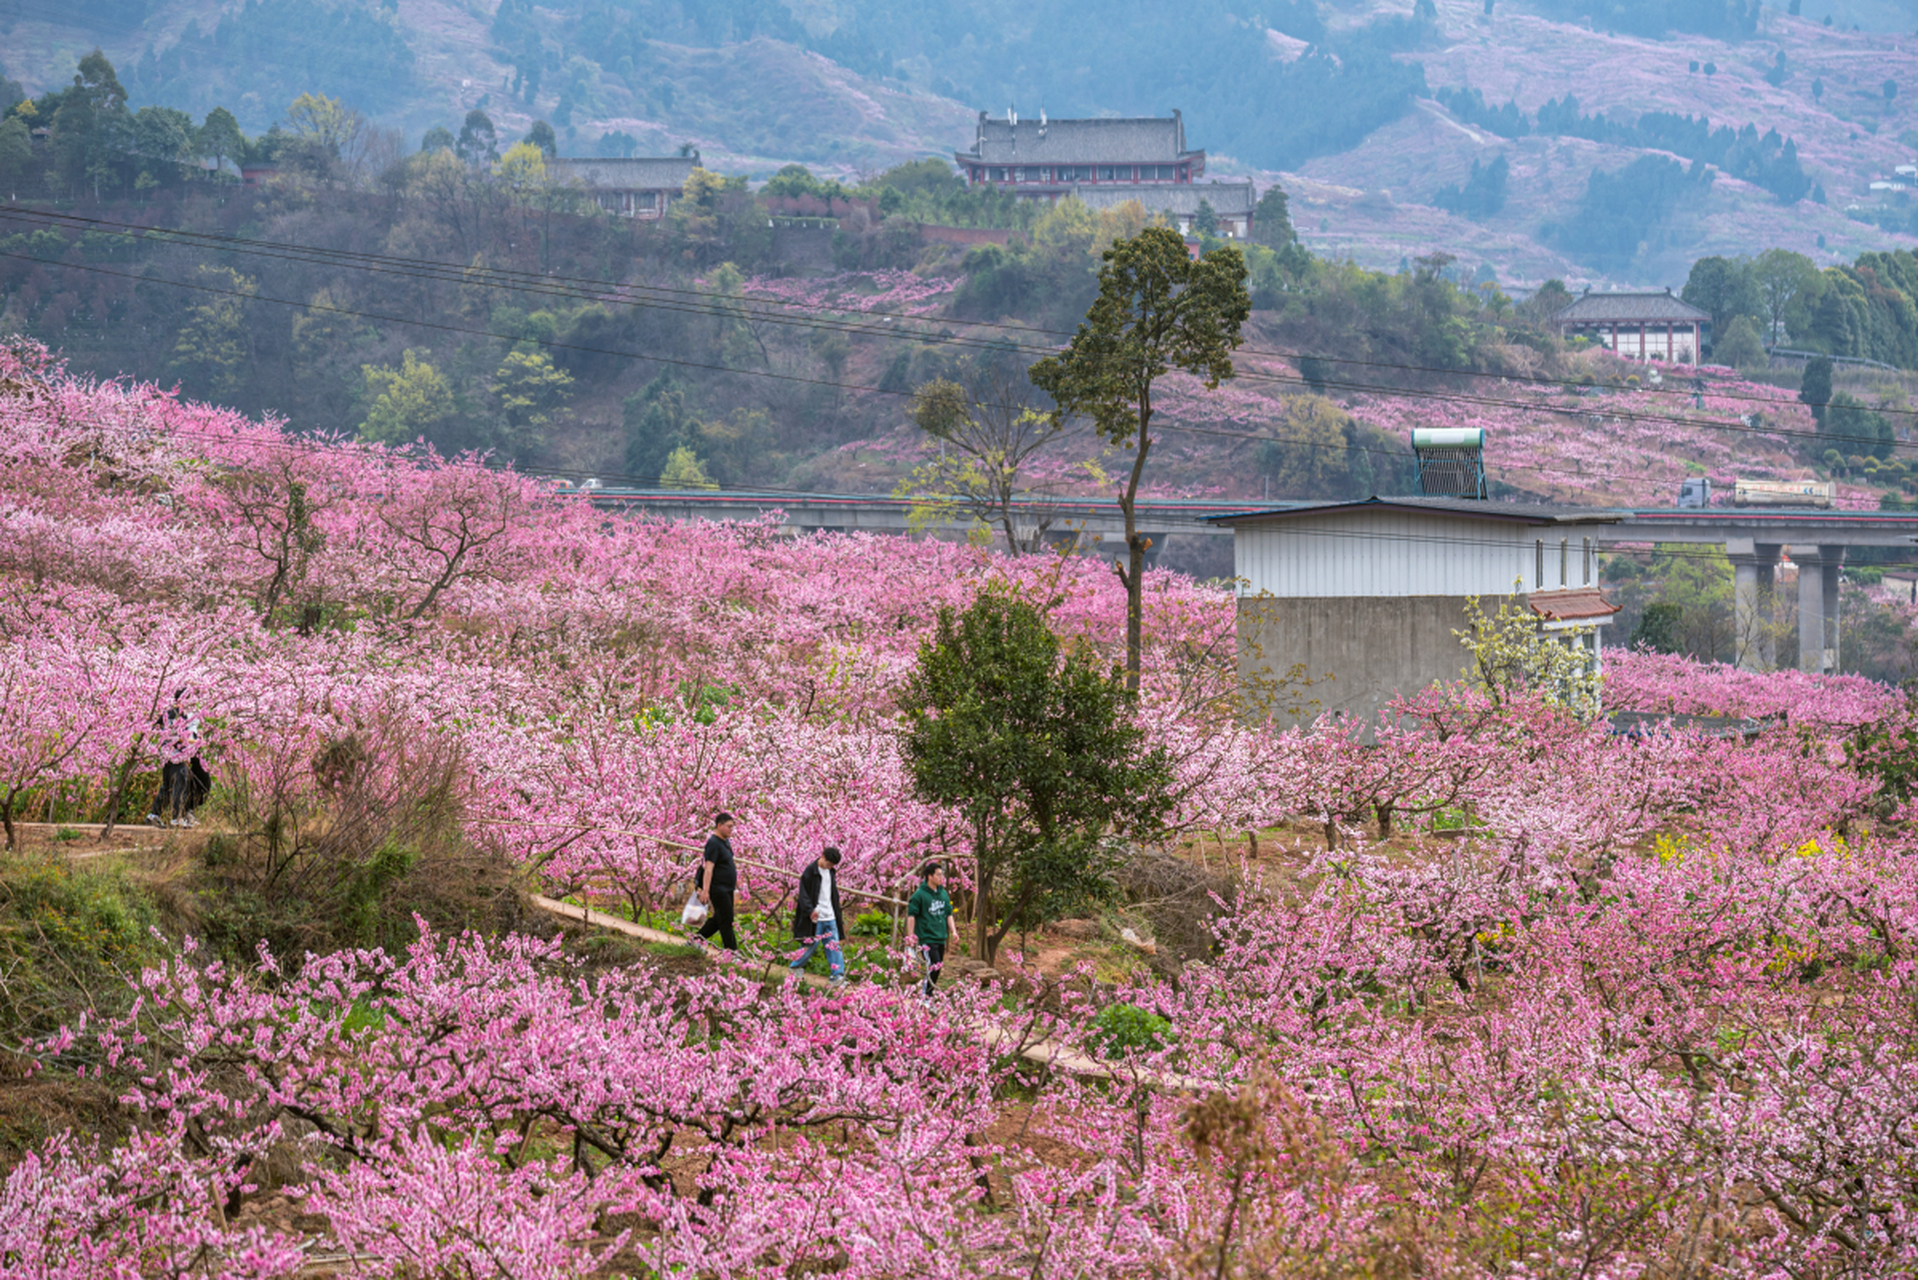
(1045, 1053)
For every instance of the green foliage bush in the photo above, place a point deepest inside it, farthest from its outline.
(69, 936)
(1122, 1028)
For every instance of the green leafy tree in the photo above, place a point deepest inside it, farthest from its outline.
(530, 390)
(1780, 276)
(219, 138)
(1698, 584)
(407, 403)
(212, 350)
(655, 422)
(1158, 310)
(1739, 345)
(90, 126)
(683, 470)
(1546, 302)
(478, 143)
(1206, 221)
(1511, 654)
(542, 136)
(165, 136)
(987, 429)
(1309, 456)
(1272, 218)
(1724, 287)
(1856, 431)
(323, 120)
(438, 138)
(1658, 627)
(738, 448)
(1814, 386)
(16, 155)
(1039, 752)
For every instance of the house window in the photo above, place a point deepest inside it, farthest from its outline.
(647, 199)
(1035, 175)
(1164, 173)
(1105, 173)
(997, 175)
(1185, 174)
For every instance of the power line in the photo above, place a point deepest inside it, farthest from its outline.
(1579, 473)
(735, 304)
(844, 386)
(726, 307)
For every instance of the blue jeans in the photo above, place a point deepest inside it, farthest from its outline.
(824, 931)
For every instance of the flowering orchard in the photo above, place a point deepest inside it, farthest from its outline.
(1500, 993)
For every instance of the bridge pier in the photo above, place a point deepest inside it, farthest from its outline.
(1754, 593)
(1818, 569)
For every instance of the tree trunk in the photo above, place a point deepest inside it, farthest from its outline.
(982, 914)
(1133, 575)
(119, 795)
(6, 819)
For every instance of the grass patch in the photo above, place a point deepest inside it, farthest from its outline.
(70, 937)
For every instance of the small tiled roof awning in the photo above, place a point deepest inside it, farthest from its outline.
(1579, 604)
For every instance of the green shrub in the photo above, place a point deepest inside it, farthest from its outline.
(872, 924)
(1122, 1027)
(69, 936)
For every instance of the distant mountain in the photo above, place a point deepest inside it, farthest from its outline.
(1606, 140)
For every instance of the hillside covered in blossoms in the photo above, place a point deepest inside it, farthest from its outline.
(1496, 992)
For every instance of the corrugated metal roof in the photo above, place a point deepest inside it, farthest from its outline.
(1149, 141)
(1577, 604)
(1462, 508)
(1234, 199)
(1615, 307)
(640, 173)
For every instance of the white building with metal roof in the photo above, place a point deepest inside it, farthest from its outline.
(1369, 596)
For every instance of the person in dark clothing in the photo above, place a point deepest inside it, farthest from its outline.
(817, 919)
(931, 910)
(718, 878)
(183, 779)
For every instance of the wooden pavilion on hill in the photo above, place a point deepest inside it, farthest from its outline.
(637, 187)
(1639, 326)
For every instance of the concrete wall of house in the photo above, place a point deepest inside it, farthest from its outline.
(1359, 651)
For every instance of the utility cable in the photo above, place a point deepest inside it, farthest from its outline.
(729, 310)
(1580, 473)
(732, 305)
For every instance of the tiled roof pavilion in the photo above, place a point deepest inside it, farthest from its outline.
(1639, 326)
(1148, 140)
(1608, 308)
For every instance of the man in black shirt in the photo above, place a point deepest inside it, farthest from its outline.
(718, 877)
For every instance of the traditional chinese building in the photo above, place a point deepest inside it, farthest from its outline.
(1639, 326)
(639, 187)
(1105, 163)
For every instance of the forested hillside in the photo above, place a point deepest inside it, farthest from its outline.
(1378, 114)
(463, 294)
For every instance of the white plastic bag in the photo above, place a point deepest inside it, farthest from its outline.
(694, 913)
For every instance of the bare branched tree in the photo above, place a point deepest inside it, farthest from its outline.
(989, 427)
